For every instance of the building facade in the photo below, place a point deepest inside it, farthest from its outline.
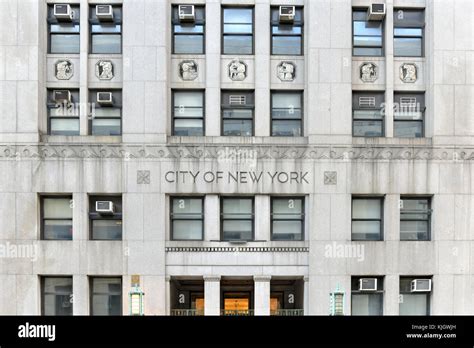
(237, 157)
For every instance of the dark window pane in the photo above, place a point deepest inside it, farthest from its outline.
(408, 129)
(287, 45)
(238, 15)
(370, 52)
(414, 304)
(234, 44)
(188, 44)
(416, 32)
(286, 128)
(187, 229)
(413, 230)
(238, 113)
(287, 230)
(58, 229)
(106, 296)
(238, 28)
(57, 294)
(107, 229)
(64, 28)
(368, 41)
(64, 126)
(64, 43)
(368, 129)
(195, 29)
(104, 28)
(366, 230)
(106, 43)
(368, 28)
(367, 304)
(106, 127)
(238, 128)
(188, 127)
(286, 29)
(237, 229)
(408, 47)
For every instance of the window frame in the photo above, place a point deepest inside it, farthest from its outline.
(173, 105)
(231, 107)
(382, 201)
(50, 104)
(302, 218)
(423, 31)
(202, 219)
(295, 24)
(380, 291)
(42, 218)
(94, 21)
(401, 94)
(196, 22)
(381, 119)
(221, 217)
(119, 105)
(223, 34)
(428, 297)
(43, 292)
(382, 48)
(50, 20)
(278, 91)
(429, 213)
(92, 293)
(96, 216)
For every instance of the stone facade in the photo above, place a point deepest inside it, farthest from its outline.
(135, 164)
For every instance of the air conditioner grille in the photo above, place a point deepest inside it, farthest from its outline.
(237, 100)
(367, 102)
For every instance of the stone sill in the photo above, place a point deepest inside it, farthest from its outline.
(392, 141)
(224, 140)
(81, 139)
(223, 244)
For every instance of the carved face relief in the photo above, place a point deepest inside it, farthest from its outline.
(368, 72)
(188, 70)
(64, 69)
(408, 72)
(104, 70)
(237, 70)
(286, 71)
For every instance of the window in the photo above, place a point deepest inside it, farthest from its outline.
(188, 37)
(287, 114)
(237, 113)
(187, 218)
(415, 218)
(105, 224)
(367, 302)
(188, 113)
(367, 218)
(64, 35)
(237, 215)
(408, 33)
(237, 30)
(287, 38)
(367, 114)
(409, 111)
(367, 35)
(56, 213)
(413, 303)
(106, 296)
(106, 117)
(56, 296)
(63, 114)
(106, 36)
(287, 218)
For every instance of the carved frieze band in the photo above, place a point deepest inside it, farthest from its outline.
(277, 152)
(237, 249)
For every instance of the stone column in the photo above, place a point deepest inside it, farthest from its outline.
(306, 295)
(389, 70)
(168, 295)
(211, 218)
(80, 292)
(212, 295)
(262, 295)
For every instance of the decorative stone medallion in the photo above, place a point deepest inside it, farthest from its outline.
(408, 72)
(188, 70)
(330, 178)
(104, 70)
(369, 72)
(237, 70)
(63, 69)
(143, 177)
(286, 71)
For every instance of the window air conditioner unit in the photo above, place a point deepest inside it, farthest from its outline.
(287, 14)
(237, 100)
(368, 284)
(376, 12)
(104, 98)
(104, 12)
(63, 12)
(186, 13)
(62, 96)
(104, 207)
(421, 285)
